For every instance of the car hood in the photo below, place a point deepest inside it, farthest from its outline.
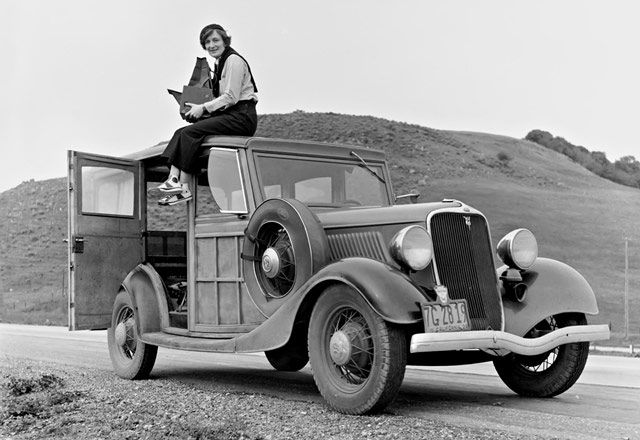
(386, 215)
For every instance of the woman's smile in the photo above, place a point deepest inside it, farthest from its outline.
(216, 51)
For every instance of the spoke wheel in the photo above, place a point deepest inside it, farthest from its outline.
(550, 373)
(130, 357)
(358, 360)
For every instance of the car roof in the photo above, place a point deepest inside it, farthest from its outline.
(306, 148)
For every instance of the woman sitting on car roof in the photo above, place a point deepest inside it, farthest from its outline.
(231, 112)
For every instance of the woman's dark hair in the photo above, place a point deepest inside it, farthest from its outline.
(208, 30)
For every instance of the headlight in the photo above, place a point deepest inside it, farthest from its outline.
(518, 249)
(412, 247)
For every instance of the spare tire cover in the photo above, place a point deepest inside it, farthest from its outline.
(287, 230)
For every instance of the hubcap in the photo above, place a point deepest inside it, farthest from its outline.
(125, 334)
(350, 347)
(340, 348)
(276, 269)
(121, 334)
(270, 262)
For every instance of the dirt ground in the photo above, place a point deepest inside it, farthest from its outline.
(42, 400)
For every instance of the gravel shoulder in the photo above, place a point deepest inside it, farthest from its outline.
(47, 400)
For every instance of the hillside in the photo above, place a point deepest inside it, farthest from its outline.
(577, 216)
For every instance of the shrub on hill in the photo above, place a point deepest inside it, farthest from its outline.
(625, 170)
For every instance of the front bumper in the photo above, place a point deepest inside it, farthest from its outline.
(503, 342)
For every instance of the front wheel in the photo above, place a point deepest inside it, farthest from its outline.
(358, 360)
(550, 373)
(131, 358)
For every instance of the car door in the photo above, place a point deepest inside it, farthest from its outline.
(106, 221)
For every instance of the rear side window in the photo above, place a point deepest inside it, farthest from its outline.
(107, 191)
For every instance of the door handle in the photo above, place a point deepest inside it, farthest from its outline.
(78, 245)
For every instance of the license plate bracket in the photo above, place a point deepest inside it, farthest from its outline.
(440, 317)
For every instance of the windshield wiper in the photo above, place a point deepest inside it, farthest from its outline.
(368, 167)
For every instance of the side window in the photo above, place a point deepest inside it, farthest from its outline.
(108, 191)
(225, 180)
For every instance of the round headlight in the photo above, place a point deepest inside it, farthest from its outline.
(412, 247)
(518, 249)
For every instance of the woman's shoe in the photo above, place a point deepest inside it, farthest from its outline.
(172, 185)
(184, 196)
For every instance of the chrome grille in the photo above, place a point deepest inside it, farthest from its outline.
(357, 244)
(464, 262)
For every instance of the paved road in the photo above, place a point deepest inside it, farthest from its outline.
(605, 403)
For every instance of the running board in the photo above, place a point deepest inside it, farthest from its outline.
(162, 339)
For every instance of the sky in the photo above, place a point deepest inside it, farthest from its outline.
(92, 75)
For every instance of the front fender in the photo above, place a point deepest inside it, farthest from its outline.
(389, 292)
(145, 287)
(552, 288)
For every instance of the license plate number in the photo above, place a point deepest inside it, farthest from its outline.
(448, 317)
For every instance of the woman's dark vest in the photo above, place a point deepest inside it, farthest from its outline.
(220, 66)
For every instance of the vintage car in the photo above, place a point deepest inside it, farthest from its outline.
(302, 251)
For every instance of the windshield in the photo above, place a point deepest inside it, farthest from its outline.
(322, 182)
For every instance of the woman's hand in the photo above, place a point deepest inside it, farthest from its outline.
(195, 112)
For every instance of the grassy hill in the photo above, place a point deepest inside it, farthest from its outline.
(578, 217)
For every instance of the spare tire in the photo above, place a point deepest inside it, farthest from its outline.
(284, 244)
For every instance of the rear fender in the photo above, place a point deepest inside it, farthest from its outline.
(148, 295)
(552, 288)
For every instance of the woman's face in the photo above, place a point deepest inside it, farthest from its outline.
(214, 44)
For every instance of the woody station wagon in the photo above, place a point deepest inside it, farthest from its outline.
(300, 250)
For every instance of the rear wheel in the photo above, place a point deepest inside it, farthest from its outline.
(131, 358)
(292, 356)
(358, 360)
(550, 373)
(285, 359)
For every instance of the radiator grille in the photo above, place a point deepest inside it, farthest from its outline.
(356, 244)
(464, 261)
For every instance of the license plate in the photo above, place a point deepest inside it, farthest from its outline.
(452, 316)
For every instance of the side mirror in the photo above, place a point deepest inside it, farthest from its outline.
(413, 197)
